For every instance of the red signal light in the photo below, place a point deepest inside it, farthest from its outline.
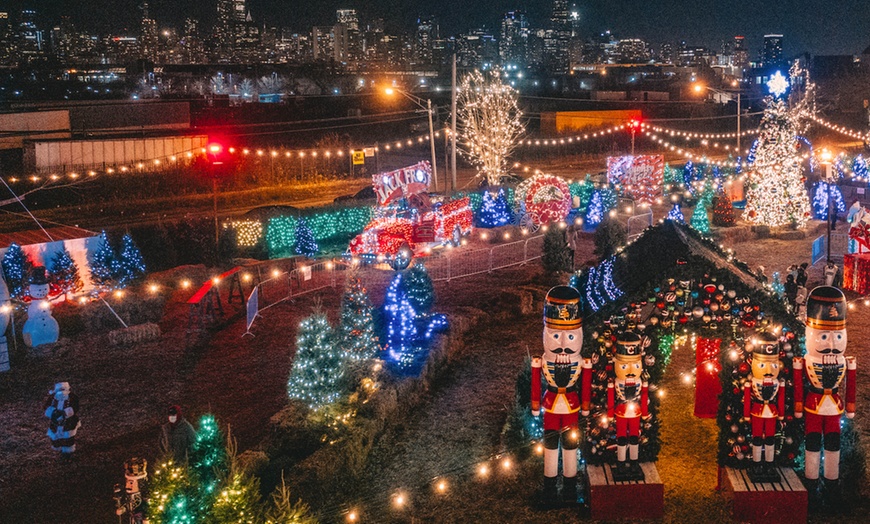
(634, 124)
(215, 149)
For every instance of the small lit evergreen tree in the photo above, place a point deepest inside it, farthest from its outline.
(208, 455)
(676, 214)
(306, 245)
(494, 210)
(357, 328)
(401, 326)
(64, 273)
(419, 289)
(595, 211)
(288, 510)
(130, 266)
(671, 180)
(610, 236)
(16, 270)
(317, 368)
(104, 265)
(555, 252)
(723, 211)
(700, 219)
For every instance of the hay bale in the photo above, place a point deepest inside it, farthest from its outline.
(134, 334)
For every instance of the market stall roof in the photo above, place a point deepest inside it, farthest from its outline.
(38, 236)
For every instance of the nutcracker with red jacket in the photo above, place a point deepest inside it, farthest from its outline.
(628, 401)
(828, 371)
(763, 405)
(566, 388)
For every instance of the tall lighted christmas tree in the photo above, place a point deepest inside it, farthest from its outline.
(317, 368)
(595, 211)
(777, 196)
(357, 328)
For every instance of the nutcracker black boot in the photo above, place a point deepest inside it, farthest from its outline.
(832, 496)
(569, 490)
(549, 495)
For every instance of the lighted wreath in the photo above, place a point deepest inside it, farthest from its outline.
(547, 198)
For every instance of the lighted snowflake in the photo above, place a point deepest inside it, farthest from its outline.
(777, 84)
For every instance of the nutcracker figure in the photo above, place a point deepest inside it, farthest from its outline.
(132, 499)
(628, 401)
(825, 367)
(567, 389)
(763, 405)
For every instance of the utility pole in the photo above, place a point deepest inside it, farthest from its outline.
(453, 123)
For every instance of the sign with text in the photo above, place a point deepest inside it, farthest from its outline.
(638, 176)
(401, 183)
(359, 158)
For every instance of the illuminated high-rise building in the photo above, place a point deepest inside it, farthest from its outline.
(772, 53)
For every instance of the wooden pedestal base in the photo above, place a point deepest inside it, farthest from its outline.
(768, 502)
(609, 500)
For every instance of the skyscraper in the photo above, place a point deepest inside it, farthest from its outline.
(424, 37)
(147, 36)
(514, 37)
(772, 53)
(557, 42)
(741, 54)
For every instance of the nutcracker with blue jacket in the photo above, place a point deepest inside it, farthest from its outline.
(763, 405)
(62, 410)
(830, 376)
(565, 380)
(628, 402)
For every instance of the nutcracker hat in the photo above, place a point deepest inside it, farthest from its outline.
(766, 345)
(37, 276)
(136, 468)
(628, 345)
(826, 308)
(562, 308)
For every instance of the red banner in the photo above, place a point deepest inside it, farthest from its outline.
(638, 176)
(707, 384)
(403, 182)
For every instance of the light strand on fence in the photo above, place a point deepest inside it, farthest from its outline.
(689, 135)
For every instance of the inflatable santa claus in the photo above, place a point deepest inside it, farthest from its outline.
(565, 380)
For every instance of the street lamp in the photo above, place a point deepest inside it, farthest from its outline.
(428, 107)
(634, 125)
(825, 157)
(699, 88)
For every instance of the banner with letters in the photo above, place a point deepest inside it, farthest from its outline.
(638, 176)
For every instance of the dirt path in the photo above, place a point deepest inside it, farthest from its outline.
(687, 461)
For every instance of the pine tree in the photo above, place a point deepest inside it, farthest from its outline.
(777, 196)
(16, 270)
(306, 245)
(700, 219)
(357, 327)
(171, 493)
(585, 192)
(130, 265)
(670, 182)
(65, 273)
(317, 368)
(237, 501)
(401, 327)
(104, 265)
(208, 455)
(595, 211)
(419, 289)
(555, 252)
(610, 236)
(676, 214)
(824, 196)
(286, 509)
(723, 211)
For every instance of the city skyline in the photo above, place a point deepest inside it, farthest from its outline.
(698, 23)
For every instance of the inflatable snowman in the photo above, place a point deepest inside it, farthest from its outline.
(40, 327)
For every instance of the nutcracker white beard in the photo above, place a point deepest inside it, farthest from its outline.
(562, 346)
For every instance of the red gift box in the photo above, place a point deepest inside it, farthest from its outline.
(856, 272)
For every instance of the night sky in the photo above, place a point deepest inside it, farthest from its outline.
(815, 26)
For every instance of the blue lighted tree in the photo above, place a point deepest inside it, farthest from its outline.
(130, 265)
(306, 245)
(676, 214)
(824, 195)
(104, 265)
(16, 270)
(401, 326)
(494, 210)
(595, 211)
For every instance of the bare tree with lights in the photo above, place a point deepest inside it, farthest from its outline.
(490, 123)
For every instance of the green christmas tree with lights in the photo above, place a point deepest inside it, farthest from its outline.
(129, 266)
(419, 289)
(64, 273)
(16, 270)
(700, 219)
(357, 327)
(208, 455)
(671, 180)
(723, 211)
(306, 245)
(104, 265)
(317, 368)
